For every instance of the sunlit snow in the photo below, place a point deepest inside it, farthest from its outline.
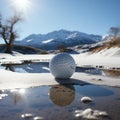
(108, 59)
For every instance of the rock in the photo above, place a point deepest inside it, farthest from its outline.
(87, 114)
(88, 111)
(103, 114)
(38, 118)
(27, 115)
(86, 100)
(99, 79)
(90, 114)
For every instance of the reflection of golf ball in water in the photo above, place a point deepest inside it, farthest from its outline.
(62, 95)
(62, 66)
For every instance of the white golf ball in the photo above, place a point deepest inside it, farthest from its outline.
(62, 66)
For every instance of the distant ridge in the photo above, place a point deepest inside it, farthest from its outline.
(52, 40)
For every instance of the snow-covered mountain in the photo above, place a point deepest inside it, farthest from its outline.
(53, 39)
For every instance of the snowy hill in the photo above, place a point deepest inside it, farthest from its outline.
(62, 37)
(106, 47)
(106, 44)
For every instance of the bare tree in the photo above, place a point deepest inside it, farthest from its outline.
(8, 32)
(114, 31)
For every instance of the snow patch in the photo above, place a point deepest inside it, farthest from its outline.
(13, 80)
(109, 52)
(29, 40)
(47, 41)
(72, 35)
(107, 59)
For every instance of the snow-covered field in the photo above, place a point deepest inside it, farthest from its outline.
(106, 59)
(12, 80)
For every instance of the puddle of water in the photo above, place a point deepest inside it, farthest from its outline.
(94, 91)
(28, 68)
(58, 102)
(44, 68)
(95, 71)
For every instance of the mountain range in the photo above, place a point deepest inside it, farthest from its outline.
(52, 40)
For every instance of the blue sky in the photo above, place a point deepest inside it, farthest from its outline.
(89, 16)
